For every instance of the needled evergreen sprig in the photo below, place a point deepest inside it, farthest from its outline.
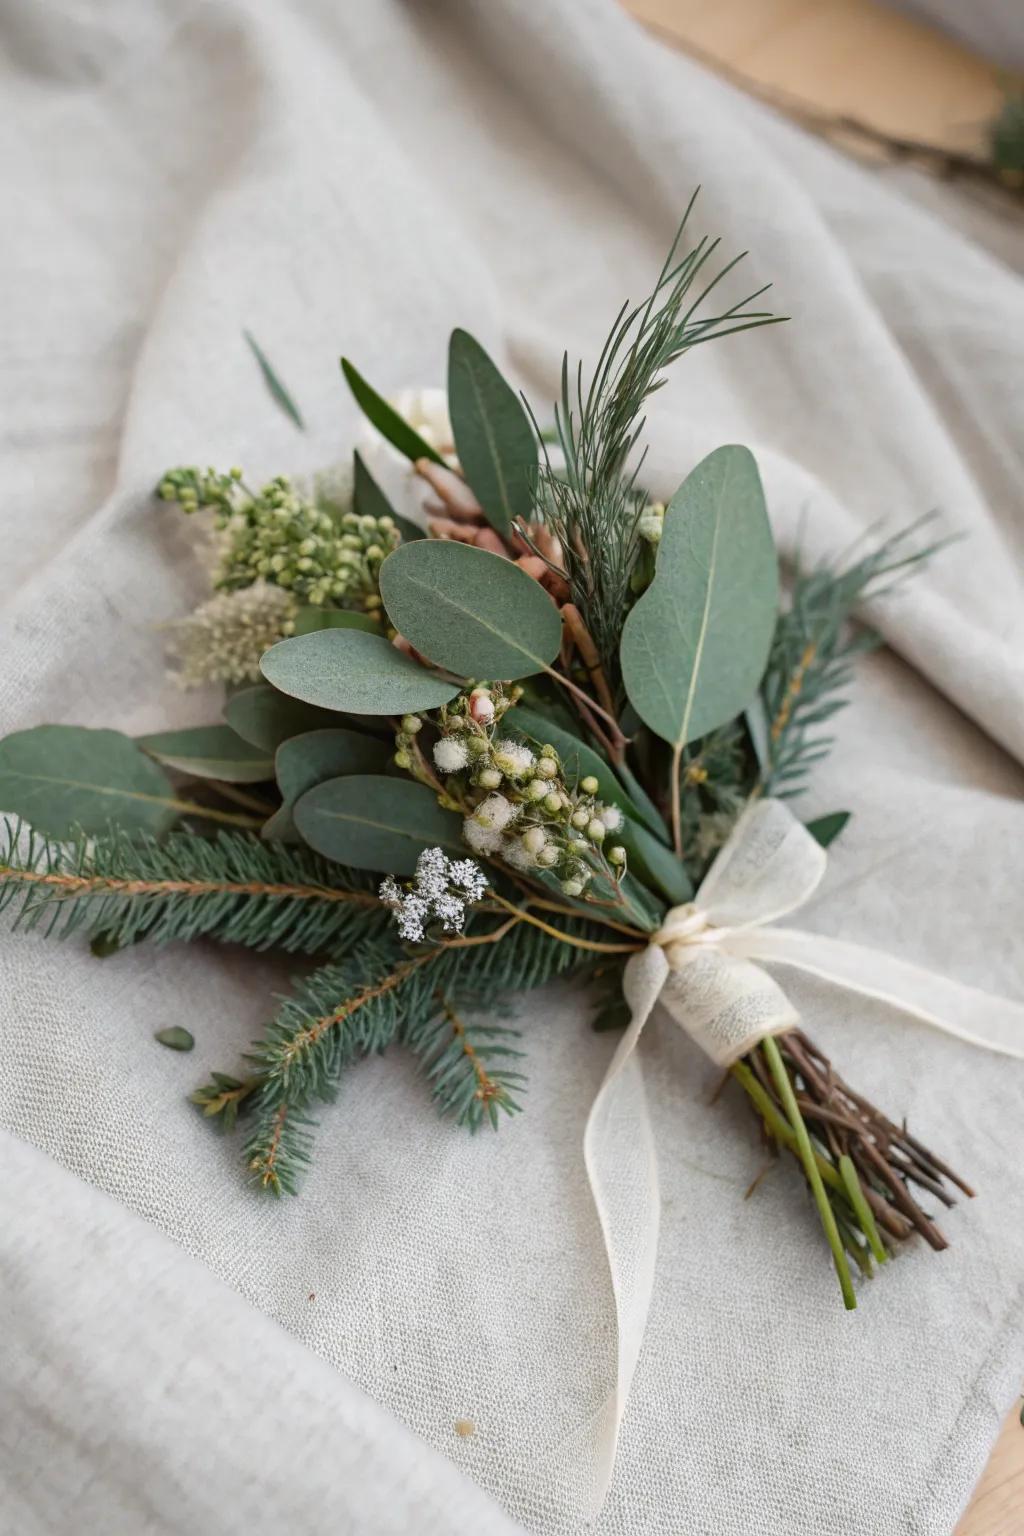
(384, 993)
(233, 888)
(593, 503)
(812, 658)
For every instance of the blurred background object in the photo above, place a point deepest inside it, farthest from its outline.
(887, 85)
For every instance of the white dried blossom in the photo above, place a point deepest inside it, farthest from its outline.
(450, 754)
(513, 759)
(611, 816)
(480, 839)
(515, 853)
(426, 411)
(440, 891)
(496, 811)
(223, 640)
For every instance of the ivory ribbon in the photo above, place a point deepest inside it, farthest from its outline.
(700, 966)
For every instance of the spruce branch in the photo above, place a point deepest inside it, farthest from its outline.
(813, 654)
(466, 1064)
(233, 888)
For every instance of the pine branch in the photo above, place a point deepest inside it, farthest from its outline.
(593, 504)
(232, 888)
(813, 655)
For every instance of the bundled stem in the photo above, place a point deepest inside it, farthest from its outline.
(859, 1165)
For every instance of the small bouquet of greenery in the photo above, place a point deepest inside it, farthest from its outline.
(466, 754)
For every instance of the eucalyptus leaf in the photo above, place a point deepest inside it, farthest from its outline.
(695, 646)
(64, 777)
(369, 501)
(495, 442)
(386, 419)
(825, 829)
(278, 393)
(264, 717)
(314, 757)
(176, 1038)
(309, 620)
(471, 612)
(343, 669)
(371, 822)
(210, 752)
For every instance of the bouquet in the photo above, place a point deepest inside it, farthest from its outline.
(493, 715)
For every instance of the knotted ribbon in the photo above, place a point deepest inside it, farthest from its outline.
(701, 966)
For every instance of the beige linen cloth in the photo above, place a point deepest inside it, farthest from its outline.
(362, 178)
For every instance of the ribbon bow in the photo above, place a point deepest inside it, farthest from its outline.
(701, 966)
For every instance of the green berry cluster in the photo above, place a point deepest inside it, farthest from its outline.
(280, 536)
(517, 802)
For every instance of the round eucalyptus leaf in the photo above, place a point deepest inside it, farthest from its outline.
(313, 757)
(343, 669)
(695, 646)
(264, 717)
(210, 752)
(471, 612)
(371, 822)
(64, 777)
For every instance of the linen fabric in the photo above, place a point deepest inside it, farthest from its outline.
(362, 179)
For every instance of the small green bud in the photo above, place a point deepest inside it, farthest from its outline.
(548, 856)
(235, 472)
(412, 724)
(581, 819)
(552, 803)
(547, 768)
(572, 887)
(403, 760)
(579, 845)
(617, 855)
(534, 840)
(490, 778)
(535, 790)
(589, 785)
(374, 552)
(596, 830)
(476, 746)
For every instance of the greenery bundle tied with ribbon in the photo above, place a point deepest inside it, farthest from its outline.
(493, 715)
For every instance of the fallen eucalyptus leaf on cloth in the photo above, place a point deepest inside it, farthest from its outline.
(176, 1038)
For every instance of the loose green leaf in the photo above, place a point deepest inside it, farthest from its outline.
(369, 501)
(210, 752)
(825, 829)
(370, 822)
(493, 436)
(314, 757)
(386, 419)
(175, 1039)
(694, 647)
(62, 777)
(343, 669)
(278, 393)
(309, 620)
(264, 718)
(472, 612)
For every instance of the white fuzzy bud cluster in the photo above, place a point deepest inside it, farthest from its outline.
(440, 891)
(223, 640)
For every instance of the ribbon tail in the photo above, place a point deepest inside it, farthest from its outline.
(967, 1013)
(618, 1149)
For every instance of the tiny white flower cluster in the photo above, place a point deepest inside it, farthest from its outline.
(442, 888)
